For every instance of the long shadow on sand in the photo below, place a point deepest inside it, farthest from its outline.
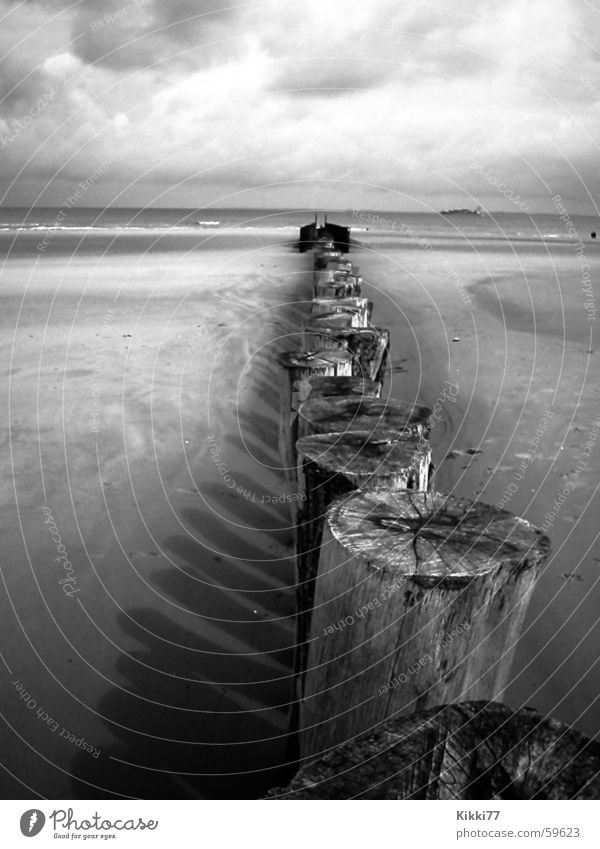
(203, 708)
(180, 737)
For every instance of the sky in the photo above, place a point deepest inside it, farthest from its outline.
(320, 103)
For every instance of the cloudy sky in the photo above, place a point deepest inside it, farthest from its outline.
(337, 103)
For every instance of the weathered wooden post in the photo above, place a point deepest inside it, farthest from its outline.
(419, 600)
(361, 307)
(335, 463)
(370, 346)
(333, 272)
(343, 265)
(300, 367)
(345, 318)
(330, 387)
(322, 276)
(324, 256)
(342, 286)
(335, 415)
(467, 750)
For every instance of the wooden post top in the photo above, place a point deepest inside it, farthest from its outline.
(338, 264)
(327, 387)
(340, 414)
(362, 453)
(330, 319)
(466, 750)
(436, 539)
(316, 359)
(331, 330)
(345, 276)
(350, 302)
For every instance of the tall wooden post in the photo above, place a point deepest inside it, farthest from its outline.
(326, 255)
(322, 276)
(360, 307)
(419, 600)
(342, 286)
(370, 346)
(300, 367)
(335, 463)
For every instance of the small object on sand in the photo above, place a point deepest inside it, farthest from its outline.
(456, 338)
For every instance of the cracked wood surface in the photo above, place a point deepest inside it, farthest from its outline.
(336, 415)
(362, 456)
(369, 346)
(466, 750)
(419, 600)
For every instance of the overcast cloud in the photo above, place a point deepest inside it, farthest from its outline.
(324, 102)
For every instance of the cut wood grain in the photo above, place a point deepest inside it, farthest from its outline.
(419, 600)
(466, 750)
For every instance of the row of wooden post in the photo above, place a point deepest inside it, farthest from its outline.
(407, 598)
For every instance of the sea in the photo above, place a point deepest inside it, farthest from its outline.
(503, 226)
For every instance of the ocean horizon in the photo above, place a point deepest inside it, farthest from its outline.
(506, 226)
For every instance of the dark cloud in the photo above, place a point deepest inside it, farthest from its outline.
(374, 92)
(145, 33)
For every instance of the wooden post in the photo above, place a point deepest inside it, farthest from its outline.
(329, 387)
(346, 318)
(467, 750)
(325, 255)
(359, 306)
(323, 275)
(335, 463)
(335, 415)
(370, 346)
(300, 367)
(342, 286)
(419, 600)
(343, 265)
(332, 272)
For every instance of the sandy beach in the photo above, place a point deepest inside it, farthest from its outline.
(139, 386)
(147, 623)
(521, 417)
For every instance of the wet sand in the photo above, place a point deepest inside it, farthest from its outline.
(524, 348)
(140, 397)
(141, 469)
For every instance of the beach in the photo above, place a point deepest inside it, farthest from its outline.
(147, 626)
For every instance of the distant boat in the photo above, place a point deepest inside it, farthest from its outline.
(476, 211)
(208, 223)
